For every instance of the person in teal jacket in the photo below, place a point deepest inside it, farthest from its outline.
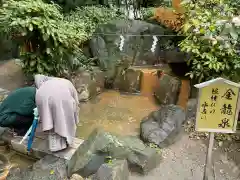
(16, 111)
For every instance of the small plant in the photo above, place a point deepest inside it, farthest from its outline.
(108, 159)
(151, 145)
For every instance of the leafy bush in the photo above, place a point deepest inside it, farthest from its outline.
(51, 41)
(147, 13)
(68, 5)
(48, 39)
(89, 17)
(211, 39)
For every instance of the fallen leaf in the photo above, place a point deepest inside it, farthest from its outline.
(52, 172)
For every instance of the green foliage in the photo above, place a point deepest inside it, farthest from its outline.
(211, 39)
(68, 5)
(147, 13)
(51, 41)
(48, 39)
(89, 17)
(155, 3)
(236, 5)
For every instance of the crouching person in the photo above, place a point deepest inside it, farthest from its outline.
(57, 104)
(16, 111)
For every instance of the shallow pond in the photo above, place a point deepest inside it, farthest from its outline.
(114, 112)
(110, 110)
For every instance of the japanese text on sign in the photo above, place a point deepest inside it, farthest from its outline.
(217, 108)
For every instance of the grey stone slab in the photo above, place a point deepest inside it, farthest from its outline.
(40, 146)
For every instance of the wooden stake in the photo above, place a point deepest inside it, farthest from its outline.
(208, 163)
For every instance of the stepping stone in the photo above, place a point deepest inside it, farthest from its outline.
(40, 146)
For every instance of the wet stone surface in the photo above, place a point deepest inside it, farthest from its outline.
(114, 112)
(100, 144)
(129, 81)
(88, 84)
(47, 168)
(164, 126)
(168, 89)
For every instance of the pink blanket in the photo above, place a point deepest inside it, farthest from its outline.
(57, 103)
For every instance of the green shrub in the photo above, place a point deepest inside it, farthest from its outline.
(51, 40)
(211, 39)
(48, 40)
(89, 18)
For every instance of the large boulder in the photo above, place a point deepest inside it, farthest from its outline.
(47, 168)
(114, 170)
(88, 84)
(105, 43)
(167, 90)
(93, 152)
(128, 81)
(164, 126)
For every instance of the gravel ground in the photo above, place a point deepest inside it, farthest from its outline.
(185, 160)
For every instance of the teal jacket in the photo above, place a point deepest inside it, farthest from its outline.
(19, 102)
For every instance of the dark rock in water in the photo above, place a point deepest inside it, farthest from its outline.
(47, 168)
(168, 89)
(116, 170)
(88, 84)
(163, 127)
(136, 48)
(129, 81)
(99, 143)
(191, 110)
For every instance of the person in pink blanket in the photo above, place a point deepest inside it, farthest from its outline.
(57, 104)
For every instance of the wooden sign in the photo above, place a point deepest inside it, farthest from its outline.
(218, 106)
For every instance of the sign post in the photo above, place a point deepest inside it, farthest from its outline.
(217, 111)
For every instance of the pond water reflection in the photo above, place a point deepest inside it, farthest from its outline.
(114, 112)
